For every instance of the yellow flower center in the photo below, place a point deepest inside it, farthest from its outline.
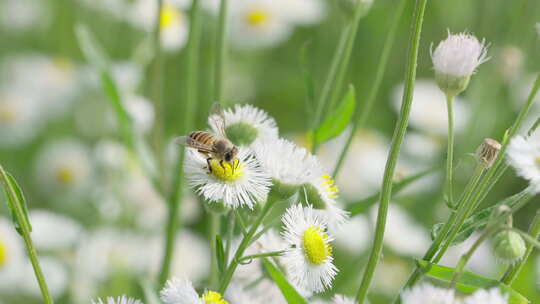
(257, 17)
(169, 16)
(212, 297)
(65, 175)
(3, 253)
(225, 170)
(316, 245)
(8, 114)
(330, 186)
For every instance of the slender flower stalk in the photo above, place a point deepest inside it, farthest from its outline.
(157, 88)
(19, 212)
(221, 51)
(244, 244)
(397, 140)
(213, 233)
(379, 75)
(514, 270)
(175, 197)
(450, 152)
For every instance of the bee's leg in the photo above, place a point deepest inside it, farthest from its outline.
(208, 164)
(221, 164)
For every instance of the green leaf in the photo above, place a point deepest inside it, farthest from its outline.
(338, 120)
(15, 200)
(470, 282)
(288, 291)
(220, 255)
(150, 296)
(90, 47)
(20, 198)
(363, 205)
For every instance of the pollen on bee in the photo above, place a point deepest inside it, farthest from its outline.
(227, 171)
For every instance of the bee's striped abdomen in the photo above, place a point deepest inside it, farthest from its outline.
(202, 137)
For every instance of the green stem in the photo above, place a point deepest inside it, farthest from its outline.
(450, 152)
(261, 255)
(220, 51)
(514, 270)
(246, 240)
(214, 232)
(467, 256)
(397, 140)
(157, 90)
(379, 76)
(24, 230)
(174, 200)
(340, 63)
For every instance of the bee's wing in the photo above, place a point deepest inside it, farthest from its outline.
(187, 141)
(218, 119)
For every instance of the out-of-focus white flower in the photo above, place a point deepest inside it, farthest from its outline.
(64, 166)
(127, 76)
(192, 256)
(12, 256)
(51, 82)
(55, 272)
(524, 155)
(482, 262)
(246, 125)
(141, 111)
(422, 148)
(354, 235)
(483, 296)
(303, 12)
(243, 183)
(119, 300)
(19, 118)
(173, 22)
(510, 63)
(308, 260)
(403, 234)
(459, 55)
(258, 23)
(53, 231)
(428, 112)
(390, 276)
(428, 294)
(181, 291)
(23, 15)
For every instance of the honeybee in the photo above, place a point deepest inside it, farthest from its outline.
(214, 146)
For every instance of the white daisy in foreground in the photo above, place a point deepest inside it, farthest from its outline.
(428, 294)
(181, 291)
(428, 112)
(64, 166)
(119, 300)
(258, 23)
(246, 125)
(308, 260)
(242, 183)
(491, 296)
(290, 172)
(459, 55)
(524, 155)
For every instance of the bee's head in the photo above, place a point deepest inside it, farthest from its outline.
(231, 154)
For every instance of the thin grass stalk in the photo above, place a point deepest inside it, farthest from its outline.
(24, 230)
(513, 270)
(379, 76)
(220, 51)
(157, 90)
(449, 189)
(397, 140)
(175, 198)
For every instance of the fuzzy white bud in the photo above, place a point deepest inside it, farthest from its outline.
(456, 59)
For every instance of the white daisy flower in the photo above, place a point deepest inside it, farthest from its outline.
(459, 55)
(246, 125)
(428, 112)
(118, 300)
(524, 155)
(12, 256)
(23, 15)
(354, 235)
(288, 173)
(64, 166)
(181, 291)
(258, 23)
(303, 12)
(491, 296)
(428, 294)
(20, 120)
(309, 260)
(244, 183)
(140, 109)
(53, 231)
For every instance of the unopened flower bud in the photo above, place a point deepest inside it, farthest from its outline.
(509, 246)
(487, 152)
(241, 134)
(455, 60)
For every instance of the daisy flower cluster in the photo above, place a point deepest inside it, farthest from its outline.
(429, 294)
